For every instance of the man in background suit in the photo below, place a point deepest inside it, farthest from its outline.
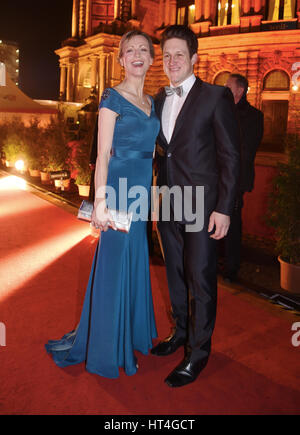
(197, 146)
(251, 126)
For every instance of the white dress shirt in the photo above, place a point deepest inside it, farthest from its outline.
(172, 107)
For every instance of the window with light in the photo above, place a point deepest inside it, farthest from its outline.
(228, 12)
(185, 12)
(281, 10)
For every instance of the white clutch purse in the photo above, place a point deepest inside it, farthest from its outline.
(122, 220)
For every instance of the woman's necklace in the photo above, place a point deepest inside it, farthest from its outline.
(137, 99)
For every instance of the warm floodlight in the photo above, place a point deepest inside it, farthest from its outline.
(20, 165)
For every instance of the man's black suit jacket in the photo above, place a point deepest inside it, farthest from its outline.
(251, 122)
(204, 147)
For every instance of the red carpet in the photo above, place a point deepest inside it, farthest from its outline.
(46, 255)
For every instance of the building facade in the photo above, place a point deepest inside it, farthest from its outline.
(257, 38)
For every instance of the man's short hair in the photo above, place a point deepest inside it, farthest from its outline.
(241, 82)
(181, 32)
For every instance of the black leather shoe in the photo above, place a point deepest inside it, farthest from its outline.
(186, 372)
(168, 346)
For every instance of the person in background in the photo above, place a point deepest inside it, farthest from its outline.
(251, 125)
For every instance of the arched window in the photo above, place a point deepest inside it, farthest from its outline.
(185, 12)
(221, 78)
(275, 106)
(277, 80)
(281, 9)
(228, 12)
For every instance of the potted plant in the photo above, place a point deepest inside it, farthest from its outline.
(34, 147)
(12, 140)
(81, 160)
(44, 162)
(3, 134)
(83, 180)
(284, 215)
(56, 150)
(13, 147)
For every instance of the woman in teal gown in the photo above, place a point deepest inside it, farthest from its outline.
(117, 316)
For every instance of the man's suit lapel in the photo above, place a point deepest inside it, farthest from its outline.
(190, 99)
(159, 104)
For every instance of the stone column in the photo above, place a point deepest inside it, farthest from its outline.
(102, 73)
(161, 13)
(253, 67)
(117, 9)
(70, 81)
(213, 11)
(75, 18)
(207, 10)
(167, 13)
(172, 12)
(82, 19)
(109, 69)
(203, 16)
(198, 10)
(88, 18)
(134, 9)
(63, 77)
(94, 70)
(245, 6)
(257, 5)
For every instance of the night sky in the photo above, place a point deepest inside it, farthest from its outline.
(39, 27)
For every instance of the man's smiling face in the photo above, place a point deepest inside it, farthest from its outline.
(178, 65)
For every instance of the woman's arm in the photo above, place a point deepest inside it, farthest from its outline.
(106, 125)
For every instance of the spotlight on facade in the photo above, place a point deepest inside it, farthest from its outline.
(19, 165)
(295, 88)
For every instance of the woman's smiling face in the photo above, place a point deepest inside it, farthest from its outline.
(136, 57)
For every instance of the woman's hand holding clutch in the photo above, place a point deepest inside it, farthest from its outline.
(101, 218)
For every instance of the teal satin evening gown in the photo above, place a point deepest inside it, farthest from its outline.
(117, 316)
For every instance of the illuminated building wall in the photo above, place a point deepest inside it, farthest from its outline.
(256, 38)
(9, 55)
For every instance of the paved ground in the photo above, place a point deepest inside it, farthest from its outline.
(259, 274)
(46, 255)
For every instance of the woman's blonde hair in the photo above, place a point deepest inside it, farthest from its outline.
(127, 36)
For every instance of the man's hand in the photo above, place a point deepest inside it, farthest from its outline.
(221, 223)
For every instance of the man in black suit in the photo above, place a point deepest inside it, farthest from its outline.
(198, 145)
(251, 125)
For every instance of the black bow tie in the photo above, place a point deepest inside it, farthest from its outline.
(170, 91)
